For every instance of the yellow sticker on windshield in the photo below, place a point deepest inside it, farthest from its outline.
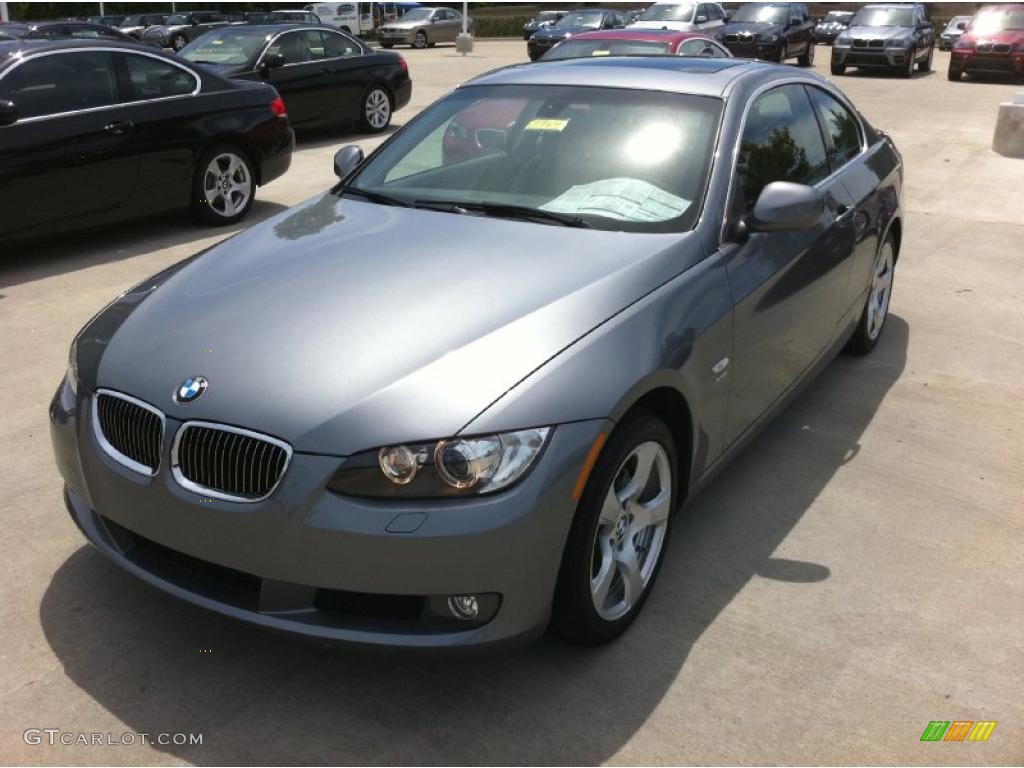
(546, 124)
(601, 53)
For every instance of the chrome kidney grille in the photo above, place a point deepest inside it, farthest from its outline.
(227, 462)
(129, 430)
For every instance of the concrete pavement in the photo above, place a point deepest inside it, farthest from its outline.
(856, 573)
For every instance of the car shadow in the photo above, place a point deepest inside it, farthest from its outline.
(160, 665)
(317, 138)
(27, 260)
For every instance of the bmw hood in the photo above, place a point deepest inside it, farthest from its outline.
(559, 33)
(161, 30)
(677, 26)
(880, 33)
(1003, 36)
(341, 326)
(751, 27)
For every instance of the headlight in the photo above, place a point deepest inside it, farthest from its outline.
(897, 43)
(460, 466)
(767, 37)
(72, 374)
(1019, 48)
(843, 40)
(963, 45)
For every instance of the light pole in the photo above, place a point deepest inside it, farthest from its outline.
(464, 42)
(4, 15)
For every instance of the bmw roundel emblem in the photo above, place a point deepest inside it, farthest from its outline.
(190, 390)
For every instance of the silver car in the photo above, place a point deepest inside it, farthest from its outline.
(463, 394)
(423, 27)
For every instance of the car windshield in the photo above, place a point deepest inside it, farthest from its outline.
(132, 21)
(177, 18)
(836, 16)
(230, 46)
(417, 14)
(548, 16)
(293, 15)
(996, 20)
(668, 12)
(576, 49)
(767, 14)
(883, 17)
(590, 19)
(607, 158)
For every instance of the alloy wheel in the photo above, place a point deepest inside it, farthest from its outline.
(420, 41)
(179, 42)
(227, 184)
(631, 531)
(377, 109)
(881, 291)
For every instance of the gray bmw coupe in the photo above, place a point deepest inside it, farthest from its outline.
(462, 395)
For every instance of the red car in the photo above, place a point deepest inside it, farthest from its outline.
(994, 42)
(637, 42)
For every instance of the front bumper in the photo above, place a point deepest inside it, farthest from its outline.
(537, 48)
(1010, 63)
(311, 562)
(397, 37)
(883, 58)
(754, 49)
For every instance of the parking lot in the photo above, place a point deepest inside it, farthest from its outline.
(855, 574)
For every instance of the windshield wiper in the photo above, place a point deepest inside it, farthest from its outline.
(377, 197)
(503, 210)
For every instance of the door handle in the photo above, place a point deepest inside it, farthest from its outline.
(844, 213)
(118, 127)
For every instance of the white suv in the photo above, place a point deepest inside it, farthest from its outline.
(682, 17)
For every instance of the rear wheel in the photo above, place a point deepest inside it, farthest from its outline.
(618, 537)
(224, 186)
(377, 108)
(872, 321)
(807, 58)
(420, 40)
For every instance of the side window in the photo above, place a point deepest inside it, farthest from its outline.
(86, 33)
(781, 142)
(841, 128)
(50, 33)
(714, 12)
(155, 79)
(299, 47)
(696, 47)
(62, 82)
(338, 45)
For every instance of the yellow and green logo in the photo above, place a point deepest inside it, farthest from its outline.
(958, 730)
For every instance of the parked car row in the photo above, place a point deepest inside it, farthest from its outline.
(102, 129)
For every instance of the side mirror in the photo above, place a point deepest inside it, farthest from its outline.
(783, 205)
(347, 159)
(491, 139)
(8, 112)
(271, 61)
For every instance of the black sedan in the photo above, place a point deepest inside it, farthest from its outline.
(63, 30)
(324, 76)
(94, 132)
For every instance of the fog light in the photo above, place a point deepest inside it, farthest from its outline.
(464, 607)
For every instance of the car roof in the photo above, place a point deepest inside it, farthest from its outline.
(675, 74)
(9, 48)
(640, 34)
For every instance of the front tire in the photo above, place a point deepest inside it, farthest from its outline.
(783, 53)
(223, 187)
(908, 67)
(420, 40)
(377, 110)
(953, 74)
(926, 65)
(876, 310)
(619, 534)
(807, 58)
(838, 69)
(387, 44)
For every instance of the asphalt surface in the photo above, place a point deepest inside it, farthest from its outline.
(855, 574)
